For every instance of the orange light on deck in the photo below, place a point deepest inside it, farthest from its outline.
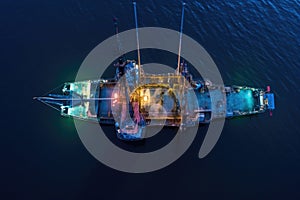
(145, 98)
(116, 95)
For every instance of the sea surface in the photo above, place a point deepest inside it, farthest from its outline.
(253, 43)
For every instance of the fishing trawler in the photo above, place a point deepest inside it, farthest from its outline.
(134, 100)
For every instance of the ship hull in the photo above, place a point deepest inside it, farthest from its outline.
(134, 101)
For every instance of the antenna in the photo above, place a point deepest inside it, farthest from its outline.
(180, 37)
(115, 20)
(137, 34)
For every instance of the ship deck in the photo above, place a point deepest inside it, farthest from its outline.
(237, 102)
(242, 101)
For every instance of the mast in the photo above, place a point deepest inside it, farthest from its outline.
(180, 38)
(115, 20)
(137, 35)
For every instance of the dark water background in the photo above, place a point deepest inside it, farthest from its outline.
(253, 43)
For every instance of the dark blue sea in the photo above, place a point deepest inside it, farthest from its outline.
(253, 42)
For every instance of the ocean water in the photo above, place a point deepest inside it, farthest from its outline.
(254, 43)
